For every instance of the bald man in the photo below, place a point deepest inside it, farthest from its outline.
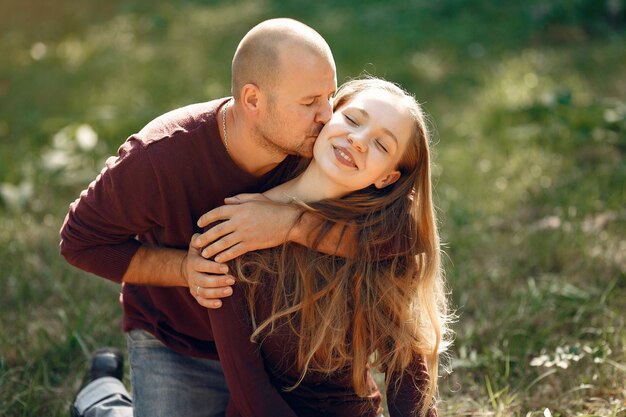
(141, 223)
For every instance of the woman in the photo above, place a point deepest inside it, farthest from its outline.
(319, 322)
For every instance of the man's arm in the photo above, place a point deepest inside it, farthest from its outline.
(340, 239)
(99, 231)
(252, 222)
(167, 267)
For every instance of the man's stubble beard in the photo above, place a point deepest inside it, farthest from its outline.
(266, 138)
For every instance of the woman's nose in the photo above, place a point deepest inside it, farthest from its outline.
(357, 142)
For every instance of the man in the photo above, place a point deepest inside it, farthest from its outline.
(135, 222)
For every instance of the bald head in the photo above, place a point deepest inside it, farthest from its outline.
(267, 46)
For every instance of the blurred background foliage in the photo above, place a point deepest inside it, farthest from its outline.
(528, 104)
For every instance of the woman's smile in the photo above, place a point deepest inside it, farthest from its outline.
(344, 157)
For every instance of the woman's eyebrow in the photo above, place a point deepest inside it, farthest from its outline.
(388, 132)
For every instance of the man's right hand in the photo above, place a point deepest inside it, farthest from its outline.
(169, 267)
(207, 280)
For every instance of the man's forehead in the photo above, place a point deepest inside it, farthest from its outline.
(319, 93)
(318, 87)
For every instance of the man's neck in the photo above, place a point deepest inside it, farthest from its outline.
(253, 158)
(246, 150)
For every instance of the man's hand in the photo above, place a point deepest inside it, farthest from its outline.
(249, 222)
(207, 280)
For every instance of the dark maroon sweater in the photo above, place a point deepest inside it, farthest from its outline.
(164, 178)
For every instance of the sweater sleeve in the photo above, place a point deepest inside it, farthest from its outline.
(251, 392)
(409, 396)
(100, 229)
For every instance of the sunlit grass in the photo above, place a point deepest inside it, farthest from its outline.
(539, 219)
(529, 110)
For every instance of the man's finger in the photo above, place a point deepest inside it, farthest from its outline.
(214, 233)
(218, 213)
(220, 245)
(213, 293)
(209, 303)
(194, 240)
(244, 198)
(231, 253)
(215, 281)
(209, 267)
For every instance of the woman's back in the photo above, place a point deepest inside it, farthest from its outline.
(318, 393)
(276, 356)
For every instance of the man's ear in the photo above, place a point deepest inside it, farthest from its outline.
(251, 98)
(387, 179)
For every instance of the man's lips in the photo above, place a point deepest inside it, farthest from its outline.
(315, 132)
(344, 157)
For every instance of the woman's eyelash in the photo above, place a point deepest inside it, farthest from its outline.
(380, 145)
(351, 120)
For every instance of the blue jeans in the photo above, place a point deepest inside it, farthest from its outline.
(167, 384)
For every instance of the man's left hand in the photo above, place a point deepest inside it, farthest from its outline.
(249, 222)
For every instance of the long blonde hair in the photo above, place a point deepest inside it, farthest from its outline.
(381, 308)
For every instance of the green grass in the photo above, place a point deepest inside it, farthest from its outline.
(528, 102)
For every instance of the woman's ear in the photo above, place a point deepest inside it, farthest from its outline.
(387, 179)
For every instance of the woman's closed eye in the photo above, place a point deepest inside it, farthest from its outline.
(351, 120)
(381, 145)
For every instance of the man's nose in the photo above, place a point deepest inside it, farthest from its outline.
(325, 112)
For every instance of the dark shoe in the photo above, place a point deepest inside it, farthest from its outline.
(104, 362)
(107, 362)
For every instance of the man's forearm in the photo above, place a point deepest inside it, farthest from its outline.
(157, 266)
(340, 240)
(250, 222)
(207, 281)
